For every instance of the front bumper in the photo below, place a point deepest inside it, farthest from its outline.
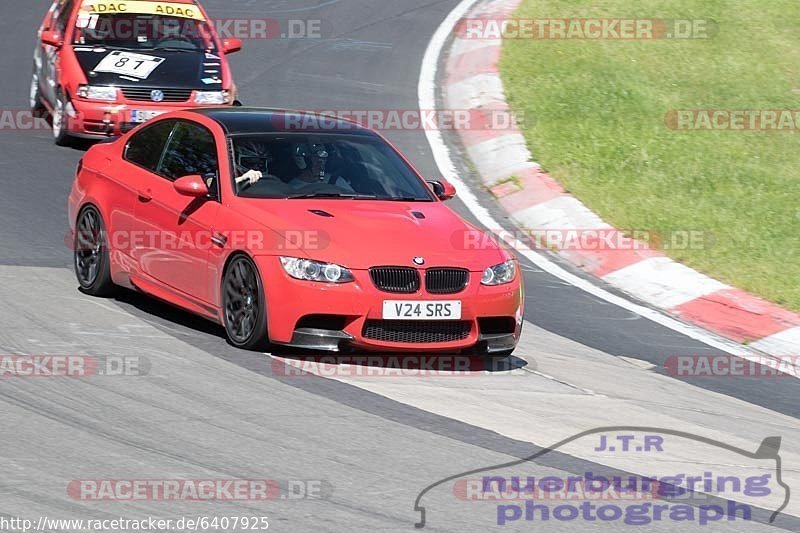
(333, 317)
(90, 119)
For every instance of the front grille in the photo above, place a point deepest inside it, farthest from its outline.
(446, 280)
(142, 94)
(416, 332)
(395, 279)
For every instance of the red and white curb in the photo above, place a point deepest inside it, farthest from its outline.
(538, 203)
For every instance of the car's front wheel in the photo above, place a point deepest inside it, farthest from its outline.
(92, 260)
(243, 305)
(35, 97)
(61, 121)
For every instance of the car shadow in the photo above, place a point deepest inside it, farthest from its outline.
(418, 362)
(377, 363)
(167, 312)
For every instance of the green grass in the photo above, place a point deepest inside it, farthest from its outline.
(598, 127)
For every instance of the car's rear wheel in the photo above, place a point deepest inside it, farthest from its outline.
(244, 306)
(60, 121)
(92, 260)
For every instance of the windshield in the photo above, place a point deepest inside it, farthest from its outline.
(329, 166)
(143, 32)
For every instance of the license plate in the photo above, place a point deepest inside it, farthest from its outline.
(421, 310)
(139, 116)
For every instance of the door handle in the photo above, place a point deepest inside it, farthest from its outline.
(145, 195)
(219, 240)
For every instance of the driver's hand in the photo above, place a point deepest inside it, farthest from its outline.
(251, 177)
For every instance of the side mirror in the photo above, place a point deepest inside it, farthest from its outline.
(51, 38)
(229, 46)
(443, 189)
(193, 186)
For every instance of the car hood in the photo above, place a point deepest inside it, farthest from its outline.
(184, 70)
(360, 234)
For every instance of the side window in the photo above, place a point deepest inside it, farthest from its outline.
(191, 150)
(145, 147)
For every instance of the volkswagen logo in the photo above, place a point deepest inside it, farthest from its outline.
(419, 261)
(157, 95)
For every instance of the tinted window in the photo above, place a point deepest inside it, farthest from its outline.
(191, 150)
(145, 147)
(330, 164)
(144, 32)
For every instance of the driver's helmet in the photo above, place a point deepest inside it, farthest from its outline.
(254, 155)
(313, 156)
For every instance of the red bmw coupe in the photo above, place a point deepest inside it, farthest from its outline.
(291, 228)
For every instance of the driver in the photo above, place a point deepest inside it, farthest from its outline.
(311, 160)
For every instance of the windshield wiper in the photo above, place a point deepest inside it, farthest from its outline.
(103, 46)
(346, 196)
(403, 199)
(174, 49)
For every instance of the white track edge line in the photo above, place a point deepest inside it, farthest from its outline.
(427, 100)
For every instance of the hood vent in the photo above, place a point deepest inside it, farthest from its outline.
(418, 215)
(320, 213)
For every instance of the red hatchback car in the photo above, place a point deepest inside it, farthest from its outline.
(103, 67)
(293, 229)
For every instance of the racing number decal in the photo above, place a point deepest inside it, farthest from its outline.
(129, 64)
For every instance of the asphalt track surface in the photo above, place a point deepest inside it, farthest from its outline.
(207, 411)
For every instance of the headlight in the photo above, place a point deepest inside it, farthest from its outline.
(308, 270)
(212, 97)
(89, 92)
(500, 274)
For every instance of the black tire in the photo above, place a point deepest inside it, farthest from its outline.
(244, 309)
(91, 258)
(60, 121)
